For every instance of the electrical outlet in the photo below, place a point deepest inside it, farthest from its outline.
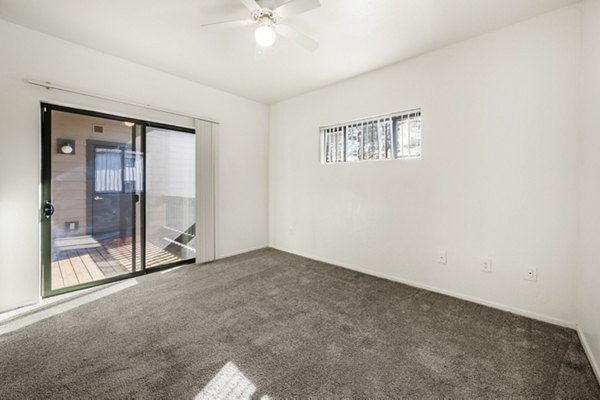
(486, 264)
(441, 258)
(531, 273)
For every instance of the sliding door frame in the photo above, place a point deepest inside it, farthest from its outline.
(46, 196)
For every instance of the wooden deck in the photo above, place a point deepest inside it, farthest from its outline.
(112, 258)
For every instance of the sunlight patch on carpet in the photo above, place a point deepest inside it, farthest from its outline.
(229, 383)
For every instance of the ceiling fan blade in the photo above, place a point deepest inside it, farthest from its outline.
(297, 37)
(295, 7)
(217, 26)
(251, 5)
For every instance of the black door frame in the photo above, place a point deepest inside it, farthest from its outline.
(46, 176)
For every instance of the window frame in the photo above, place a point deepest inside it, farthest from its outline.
(414, 114)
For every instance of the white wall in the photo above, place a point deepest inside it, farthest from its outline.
(589, 284)
(242, 163)
(497, 175)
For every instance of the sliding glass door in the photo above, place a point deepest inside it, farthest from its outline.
(117, 198)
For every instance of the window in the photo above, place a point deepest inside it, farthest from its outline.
(109, 174)
(108, 171)
(381, 138)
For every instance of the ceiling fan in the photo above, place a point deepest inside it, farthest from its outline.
(267, 17)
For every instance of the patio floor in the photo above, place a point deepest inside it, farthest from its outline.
(111, 258)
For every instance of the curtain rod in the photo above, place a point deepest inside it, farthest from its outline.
(49, 85)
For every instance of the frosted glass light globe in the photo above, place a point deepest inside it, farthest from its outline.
(265, 35)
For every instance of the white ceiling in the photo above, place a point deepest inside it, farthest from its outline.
(355, 36)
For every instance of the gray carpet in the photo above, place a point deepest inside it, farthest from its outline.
(289, 327)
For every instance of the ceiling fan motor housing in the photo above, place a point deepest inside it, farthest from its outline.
(264, 15)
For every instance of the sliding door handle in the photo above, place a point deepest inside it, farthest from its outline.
(48, 209)
(98, 198)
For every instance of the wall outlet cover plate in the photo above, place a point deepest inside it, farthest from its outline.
(531, 273)
(486, 264)
(441, 257)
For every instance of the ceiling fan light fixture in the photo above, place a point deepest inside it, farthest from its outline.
(265, 34)
(265, 16)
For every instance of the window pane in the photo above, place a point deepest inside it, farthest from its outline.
(108, 171)
(134, 171)
(354, 143)
(408, 136)
(334, 145)
(94, 232)
(416, 138)
(387, 133)
(170, 196)
(392, 136)
(372, 141)
(340, 146)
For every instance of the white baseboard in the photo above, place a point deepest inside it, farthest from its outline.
(238, 252)
(43, 302)
(61, 307)
(499, 306)
(588, 353)
(15, 309)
